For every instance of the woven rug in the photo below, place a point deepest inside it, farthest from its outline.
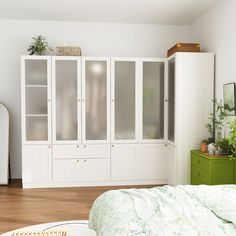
(72, 228)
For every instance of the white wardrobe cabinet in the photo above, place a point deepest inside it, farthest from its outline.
(190, 91)
(37, 164)
(124, 100)
(151, 162)
(80, 171)
(91, 151)
(139, 162)
(123, 162)
(89, 121)
(96, 100)
(66, 98)
(36, 99)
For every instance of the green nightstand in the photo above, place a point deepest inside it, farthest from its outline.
(211, 170)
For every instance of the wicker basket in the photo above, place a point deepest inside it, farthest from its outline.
(184, 47)
(68, 51)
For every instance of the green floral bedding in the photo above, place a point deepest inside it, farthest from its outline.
(165, 211)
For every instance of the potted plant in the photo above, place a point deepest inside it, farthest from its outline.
(223, 147)
(204, 145)
(216, 121)
(39, 46)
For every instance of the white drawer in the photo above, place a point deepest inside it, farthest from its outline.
(81, 170)
(81, 151)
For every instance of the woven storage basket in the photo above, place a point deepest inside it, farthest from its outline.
(184, 47)
(68, 51)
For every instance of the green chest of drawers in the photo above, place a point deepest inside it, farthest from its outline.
(211, 170)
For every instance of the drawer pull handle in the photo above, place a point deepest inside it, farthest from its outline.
(77, 161)
(85, 146)
(85, 160)
(49, 146)
(77, 146)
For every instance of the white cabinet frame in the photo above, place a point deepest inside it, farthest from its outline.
(103, 59)
(79, 120)
(23, 101)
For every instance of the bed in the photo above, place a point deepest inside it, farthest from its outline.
(165, 211)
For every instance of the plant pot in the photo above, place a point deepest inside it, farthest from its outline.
(203, 147)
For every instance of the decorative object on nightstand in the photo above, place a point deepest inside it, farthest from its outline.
(204, 146)
(184, 47)
(39, 46)
(211, 170)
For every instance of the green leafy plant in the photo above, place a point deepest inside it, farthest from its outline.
(216, 120)
(232, 139)
(204, 141)
(39, 46)
(224, 145)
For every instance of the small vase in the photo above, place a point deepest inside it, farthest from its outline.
(203, 147)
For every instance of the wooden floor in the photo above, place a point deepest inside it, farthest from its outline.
(23, 207)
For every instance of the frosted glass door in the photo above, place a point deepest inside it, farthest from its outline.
(36, 87)
(65, 83)
(153, 100)
(95, 82)
(124, 100)
(171, 100)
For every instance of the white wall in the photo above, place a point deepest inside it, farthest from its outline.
(95, 39)
(216, 31)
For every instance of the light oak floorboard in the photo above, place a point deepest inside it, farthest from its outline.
(24, 207)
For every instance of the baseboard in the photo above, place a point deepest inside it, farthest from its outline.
(95, 184)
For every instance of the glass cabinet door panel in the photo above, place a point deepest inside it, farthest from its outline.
(124, 100)
(36, 128)
(66, 100)
(35, 72)
(171, 100)
(36, 100)
(96, 100)
(153, 100)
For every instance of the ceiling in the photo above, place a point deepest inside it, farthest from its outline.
(119, 11)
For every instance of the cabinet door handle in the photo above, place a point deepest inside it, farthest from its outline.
(49, 100)
(49, 146)
(85, 160)
(77, 161)
(77, 146)
(85, 146)
(78, 100)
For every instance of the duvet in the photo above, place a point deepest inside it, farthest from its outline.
(166, 211)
